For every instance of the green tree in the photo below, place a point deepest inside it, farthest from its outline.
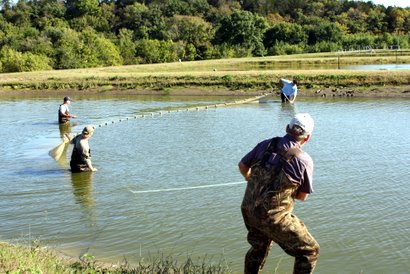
(68, 47)
(323, 31)
(243, 29)
(375, 21)
(156, 51)
(98, 50)
(77, 8)
(132, 16)
(147, 23)
(19, 14)
(354, 20)
(126, 46)
(193, 31)
(290, 33)
(396, 18)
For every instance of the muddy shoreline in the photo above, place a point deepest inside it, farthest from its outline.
(369, 92)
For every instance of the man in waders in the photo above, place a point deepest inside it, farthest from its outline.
(289, 90)
(81, 156)
(277, 172)
(64, 115)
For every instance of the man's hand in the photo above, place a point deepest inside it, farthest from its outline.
(302, 196)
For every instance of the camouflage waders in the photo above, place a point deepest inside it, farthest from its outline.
(267, 212)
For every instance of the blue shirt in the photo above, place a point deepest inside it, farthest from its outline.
(299, 170)
(289, 89)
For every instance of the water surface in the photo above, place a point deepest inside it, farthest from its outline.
(358, 212)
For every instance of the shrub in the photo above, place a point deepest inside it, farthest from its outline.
(15, 61)
(155, 51)
(285, 49)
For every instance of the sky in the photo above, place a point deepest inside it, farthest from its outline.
(397, 3)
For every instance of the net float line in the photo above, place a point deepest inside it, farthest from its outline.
(195, 108)
(57, 151)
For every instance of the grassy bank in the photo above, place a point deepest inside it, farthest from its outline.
(35, 259)
(315, 72)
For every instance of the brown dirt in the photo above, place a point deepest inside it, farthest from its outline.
(375, 92)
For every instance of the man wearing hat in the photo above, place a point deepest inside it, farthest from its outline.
(81, 155)
(64, 115)
(277, 172)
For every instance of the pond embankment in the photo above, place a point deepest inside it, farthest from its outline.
(316, 74)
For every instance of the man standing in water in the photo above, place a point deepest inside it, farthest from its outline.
(64, 115)
(81, 155)
(289, 90)
(277, 172)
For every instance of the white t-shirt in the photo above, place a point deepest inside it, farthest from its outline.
(64, 109)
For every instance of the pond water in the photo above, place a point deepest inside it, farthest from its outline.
(303, 66)
(169, 183)
(380, 67)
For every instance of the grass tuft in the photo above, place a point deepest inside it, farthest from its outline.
(36, 260)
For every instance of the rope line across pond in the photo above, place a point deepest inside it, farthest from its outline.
(196, 108)
(57, 152)
(184, 188)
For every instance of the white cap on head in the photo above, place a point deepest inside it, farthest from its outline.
(88, 130)
(303, 121)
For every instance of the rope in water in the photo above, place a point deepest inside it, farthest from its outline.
(196, 108)
(185, 188)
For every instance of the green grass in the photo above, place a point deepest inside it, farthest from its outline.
(36, 259)
(247, 74)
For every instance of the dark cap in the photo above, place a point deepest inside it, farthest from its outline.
(67, 99)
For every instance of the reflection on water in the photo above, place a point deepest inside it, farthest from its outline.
(82, 189)
(64, 129)
(289, 109)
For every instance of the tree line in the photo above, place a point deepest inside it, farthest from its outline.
(66, 34)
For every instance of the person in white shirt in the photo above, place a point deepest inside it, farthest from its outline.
(64, 115)
(289, 90)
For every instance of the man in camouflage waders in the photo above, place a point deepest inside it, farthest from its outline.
(278, 172)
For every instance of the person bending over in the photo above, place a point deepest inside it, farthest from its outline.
(81, 155)
(289, 90)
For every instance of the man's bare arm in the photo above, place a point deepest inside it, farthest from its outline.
(244, 170)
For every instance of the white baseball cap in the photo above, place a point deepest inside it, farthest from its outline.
(304, 121)
(88, 130)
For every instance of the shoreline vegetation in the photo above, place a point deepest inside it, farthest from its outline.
(317, 73)
(38, 259)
